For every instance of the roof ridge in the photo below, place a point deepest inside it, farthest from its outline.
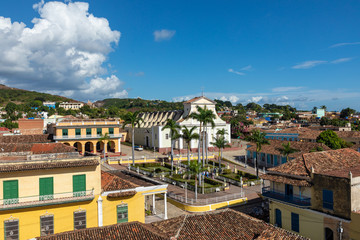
(181, 227)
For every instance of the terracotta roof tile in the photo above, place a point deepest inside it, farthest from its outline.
(111, 182)
(123, 231)
(221, 224)
(35, 148)
(332, 162)
(47, 165)
(37, 138)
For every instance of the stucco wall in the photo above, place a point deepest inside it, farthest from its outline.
(341, 195)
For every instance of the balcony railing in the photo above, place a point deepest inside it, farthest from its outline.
(85, 136)
(281, 196)
(41, 200)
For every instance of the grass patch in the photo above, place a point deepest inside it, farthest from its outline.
(236, 176)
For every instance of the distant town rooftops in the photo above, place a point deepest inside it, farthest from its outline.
(302, 147)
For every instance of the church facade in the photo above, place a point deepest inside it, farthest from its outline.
(151, 134)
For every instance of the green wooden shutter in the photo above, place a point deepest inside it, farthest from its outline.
(111, 130)
(122, 213)
(11, 191)
(64, 132)
(99, 131)
(79, 185)
(77, 131)
(88, 131)
(46, 188)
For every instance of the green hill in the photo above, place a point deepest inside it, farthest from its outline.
(138, 104)
(18, 96)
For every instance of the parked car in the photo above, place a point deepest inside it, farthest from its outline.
(138, 148)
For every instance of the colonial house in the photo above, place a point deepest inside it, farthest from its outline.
(48, 188)
(317, 194)
(151, 134)
(270, 155)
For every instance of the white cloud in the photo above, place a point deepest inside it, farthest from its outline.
(236, 72)
(286, 89)
(341, 60)
(64, 51)
(303, 98)
(163, 34)
(247, 68)
(344, 44)
(308, 64)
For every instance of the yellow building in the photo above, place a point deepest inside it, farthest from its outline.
(317, 195)
(60, 190)
(84, 135)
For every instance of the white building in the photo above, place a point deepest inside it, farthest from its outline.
(150, 133)
(71, 105)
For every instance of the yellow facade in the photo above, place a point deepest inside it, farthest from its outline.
(63, 204)
(76, 134)
(309, 221)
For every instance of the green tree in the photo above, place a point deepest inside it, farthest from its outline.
(347, 112)
(188, 135)
(196, 168)
(9, 124)
(10, 108)
(331, 139)
(220, 143)
(286, 150)
(133, 119)
(259, 139)
(253, 106)
(174, 134)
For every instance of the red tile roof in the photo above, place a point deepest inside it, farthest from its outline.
(111, 182)
(333, 162)
(217, 225)
(36, 148)
(197, 98)
(37, 138)
(123, 231)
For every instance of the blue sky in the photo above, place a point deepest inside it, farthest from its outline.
(303, 53)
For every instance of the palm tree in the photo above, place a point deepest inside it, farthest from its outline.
(208, 119)
(188, 135)
(323, 107)
(204, 116)
(221, 132)
(195, 168)
(104, 138)
(259, 139)
(174, 134)
(220, 143)
(286, 150)
(134, 119)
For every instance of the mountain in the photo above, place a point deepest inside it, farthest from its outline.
(138, 104)
(18, 96)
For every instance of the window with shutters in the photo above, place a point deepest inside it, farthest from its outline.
(99, 131)
(78, 132)
(295, 222)
(46, 225)
(11, 191)
(122, 213)
(79, 185)
(11, 228)
(111, 130)
(328, 199)
(46, 188)
(65, 132)
(278, 220)
(88, 132)
(79, 220)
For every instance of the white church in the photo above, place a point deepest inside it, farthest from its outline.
(150, 133)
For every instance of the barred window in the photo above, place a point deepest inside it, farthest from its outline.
(11, 229)
(122, 213)
(46, 225)
(79, 220)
